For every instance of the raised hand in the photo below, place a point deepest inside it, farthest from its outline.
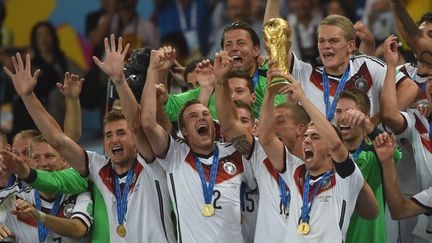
(161, 94)
(13, 164)
(390, 51)
(205, 74)
(385, 145)
(424, 109)
(23, 81)
(114, 58)
(71, 86)
(163, 58)
(294, 90)
(222, 66)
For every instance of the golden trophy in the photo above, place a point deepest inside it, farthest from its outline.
(277, 42)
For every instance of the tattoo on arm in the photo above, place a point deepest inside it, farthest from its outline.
(242, 145)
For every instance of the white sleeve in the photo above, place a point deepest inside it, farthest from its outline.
(83, 209)
(354, 182)
(301, 71)
(408, 132)
(177, 151)
(424, 198)
(153, 167)
(258, 156)
(291, 164)
(95, 162)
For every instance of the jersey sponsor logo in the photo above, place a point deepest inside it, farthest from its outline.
(424, 134)
(362, 80)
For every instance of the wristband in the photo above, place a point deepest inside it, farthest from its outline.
(40, 216)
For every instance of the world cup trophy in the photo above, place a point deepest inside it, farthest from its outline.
(277, 42)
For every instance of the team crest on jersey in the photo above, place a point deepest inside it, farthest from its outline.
(326, 184)
(230, 168)
(361, 84)
(68, 209)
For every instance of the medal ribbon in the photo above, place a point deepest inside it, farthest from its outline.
(255, 78)
(285, 195)
(305, 209)
(208, 189)
(42, 230)
(358, 151)
(430, 127)
(122, 199)
(330, 109)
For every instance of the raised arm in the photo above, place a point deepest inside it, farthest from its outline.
(338, 151)
(232, 128)
(24, 83)
(410, 32)
(113, 66)
(400, 207)
(388, 100)
(63, 181)
(367, 44)
(206, 79)
(71, 89)
(271, 10)
(159, 141)
(273, 147)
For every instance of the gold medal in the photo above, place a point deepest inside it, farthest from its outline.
(303, 228)
(207, 210)
(121, 230)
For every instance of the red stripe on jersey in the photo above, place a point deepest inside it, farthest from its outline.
(299, 176)
(106, 173)
(28, 221)
(362, 73)
(273, 172)
(424, 134)
(221, 175)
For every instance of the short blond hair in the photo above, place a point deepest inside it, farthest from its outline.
(342, 22)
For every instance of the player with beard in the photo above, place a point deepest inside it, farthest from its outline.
(204, 176)
(326, 186)
(145, 191)
(409, 124)
(353, 123)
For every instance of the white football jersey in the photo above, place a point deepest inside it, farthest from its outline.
(147, 217)
(272, 221)
(188, 197)
(249, 211)
(365, 74)
(417, 132)
(72, 206)
(331, 209)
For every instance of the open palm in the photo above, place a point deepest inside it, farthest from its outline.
(114, 58)
(23, 81)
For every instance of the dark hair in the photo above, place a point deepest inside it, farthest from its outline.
(360, 98)
(53, 33)
(243, 75)
(242, 105)
(176, 39)
(427, 17)
(347, 7)
(311, 124)
(180, 121)
(241, 26)
(190, 67)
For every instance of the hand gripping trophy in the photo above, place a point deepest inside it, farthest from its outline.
(277, 36)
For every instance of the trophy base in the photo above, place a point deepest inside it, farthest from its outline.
(277, 84)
